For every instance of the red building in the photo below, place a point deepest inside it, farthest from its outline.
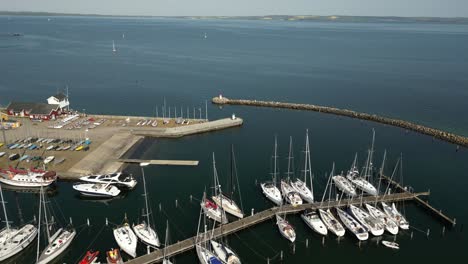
(40, 111)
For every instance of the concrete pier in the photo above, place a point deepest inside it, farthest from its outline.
(162, 162)
(436, 133)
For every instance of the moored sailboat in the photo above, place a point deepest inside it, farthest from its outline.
(374, 225)
(286, 229)
(143, 230)
(269, 189)
(301, 186)
(289, 193)
(312, 219)
(126, 239)
(354, 226)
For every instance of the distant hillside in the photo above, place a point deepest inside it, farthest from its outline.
(337, 18)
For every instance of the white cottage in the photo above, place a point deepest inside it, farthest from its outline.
(60, 99)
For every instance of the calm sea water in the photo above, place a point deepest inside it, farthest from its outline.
(417, 72)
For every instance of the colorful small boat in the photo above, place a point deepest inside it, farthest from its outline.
(113, 257)
(90, 258)
(79, 148)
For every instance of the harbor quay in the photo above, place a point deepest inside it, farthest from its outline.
(107, 138)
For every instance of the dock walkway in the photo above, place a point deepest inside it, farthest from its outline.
(262, 216)
(162, 162)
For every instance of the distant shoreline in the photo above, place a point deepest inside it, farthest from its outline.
(312, 18)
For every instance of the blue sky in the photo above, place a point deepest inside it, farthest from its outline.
(438, 8)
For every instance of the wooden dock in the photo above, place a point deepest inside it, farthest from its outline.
(423, 203)
(162, 162)
(257, 218)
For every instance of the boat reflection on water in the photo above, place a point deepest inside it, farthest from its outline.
(50, 190)
(105, 200)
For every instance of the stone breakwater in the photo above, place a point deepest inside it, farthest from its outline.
(436, 133)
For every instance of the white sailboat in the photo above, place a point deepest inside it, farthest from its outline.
(286, 229)
(362, 182)
(301, 186)
(329, 220)
(213, 211)
(312, 219)
(269, 189)
(390, 225)
(224, 253)
(14, 240)
(166, 260)
(289, 193)
(58, 242)
(204, 253)
(143, 230)
(354, 226)
(344, 185)
(396, 216)
(126, 239)
(374, 225)
(226, 203)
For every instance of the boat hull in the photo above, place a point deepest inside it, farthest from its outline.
(126, 239)
(332, 223)
(316, 225)
(56, 247)
(25, 241)
(229, 206)
(25, 184)
(146, 234)
(273, 195)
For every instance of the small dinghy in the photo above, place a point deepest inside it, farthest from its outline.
(49, 159)
(389, 244)
(113, 257)
(90, 258)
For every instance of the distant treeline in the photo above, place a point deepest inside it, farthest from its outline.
(337, 18)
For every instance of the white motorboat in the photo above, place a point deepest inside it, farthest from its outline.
(354, 226)
(393, 213)
(332, 223)
(389, 244)
(312, 219)
(48, 159)
(344, 185)
(12, 240)
(390, 225)
(272, 192)
(290, 195)
(143, 230)
(286, 230)
(213, 211)
(224, 253)
(374, 225)
(119, 179)
(226, 203)
(269, 188)
(27, 178)
(59, 242)
(97, 189)
(126, 239)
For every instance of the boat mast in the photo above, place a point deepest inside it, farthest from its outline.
(275, 157)
(39, 227)
(166, 240)
(308, 161)
(4, 210)
(142, 165)
(45, 217)
(371, 155)
(331, 183)
(217, 186)
(380, 176)
(288, 173)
